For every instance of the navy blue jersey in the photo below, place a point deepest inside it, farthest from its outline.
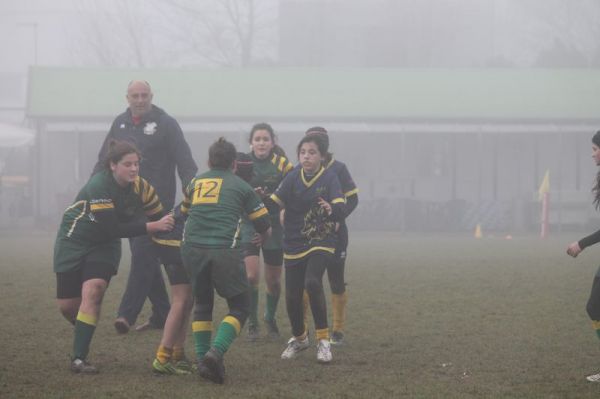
(341, 171)
(307, 227)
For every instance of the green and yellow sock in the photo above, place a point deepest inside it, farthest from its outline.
(596, 326)
(253, 316)
(202, 331)
(271, 308)
(85, 325)
(322, 334)
(164, 354)
(228, 330)
(338, 305)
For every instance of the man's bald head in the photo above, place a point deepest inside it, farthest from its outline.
(139, 97)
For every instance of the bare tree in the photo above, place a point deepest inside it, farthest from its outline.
(223, 32)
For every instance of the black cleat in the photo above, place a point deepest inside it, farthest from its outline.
(337, 338)
(253, 333)
(272, 329)
(211, 367)
(80, 366)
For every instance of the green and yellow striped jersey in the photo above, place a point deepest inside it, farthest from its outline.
(215, 202)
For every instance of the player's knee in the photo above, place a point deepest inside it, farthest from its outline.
(313, 285)
(337, 287)
(274, 287)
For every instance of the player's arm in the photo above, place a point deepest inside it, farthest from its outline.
(181, 153)
(104, 214)
(151, 205)
(350, 190)
(337, 201)
(576, 247)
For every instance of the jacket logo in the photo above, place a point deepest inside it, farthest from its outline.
(150, 128)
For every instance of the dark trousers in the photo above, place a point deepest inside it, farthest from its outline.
(306, 274)
(145, 281)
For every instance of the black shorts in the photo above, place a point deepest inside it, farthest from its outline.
(68, 284)
(176, 273)
(273, 257)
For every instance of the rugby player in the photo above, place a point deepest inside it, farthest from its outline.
(88, 244)
(269, 169)
(215, 202)
(313, 202)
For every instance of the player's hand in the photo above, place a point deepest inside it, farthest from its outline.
(257, 240)
(262, 193)
(325, 205)
(574, 249)
(166, 223)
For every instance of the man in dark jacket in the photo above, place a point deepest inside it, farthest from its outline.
(164, 150)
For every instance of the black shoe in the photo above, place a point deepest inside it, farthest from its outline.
(337, 338)
(253, 333)
(122, 325)
(272, 329)
(211, 367)
(80, 366)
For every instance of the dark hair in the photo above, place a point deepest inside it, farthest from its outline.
(313, 138)
(322, 132)
(261, 126)
(277, 150)
(117, 150)
(596, 189)
(221, 154)
(244, 166)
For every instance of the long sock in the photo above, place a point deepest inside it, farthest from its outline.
(338, 305)
(227, 332)
(178, 353)
(322, 334)
(305, 308)
(596, 326)
(85, 325)
(202, 331)
(253, 317)
(163, 354)
(271, 308)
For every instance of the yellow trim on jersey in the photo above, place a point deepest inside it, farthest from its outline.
(81, 214)
(338, 201)
(170, 243)
(277, 200)
(303, 254)
(98, 207)
(235, 323)
(314, 179)
(330, 163)
(155, 210)
(257, 214)
(87, 318)
(198, 326)
(136, 185)
(596, 324)
(351, 192)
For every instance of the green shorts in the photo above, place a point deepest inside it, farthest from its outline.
(221, 268)
(70, 254)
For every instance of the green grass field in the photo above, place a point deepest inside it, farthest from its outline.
(428, 317)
